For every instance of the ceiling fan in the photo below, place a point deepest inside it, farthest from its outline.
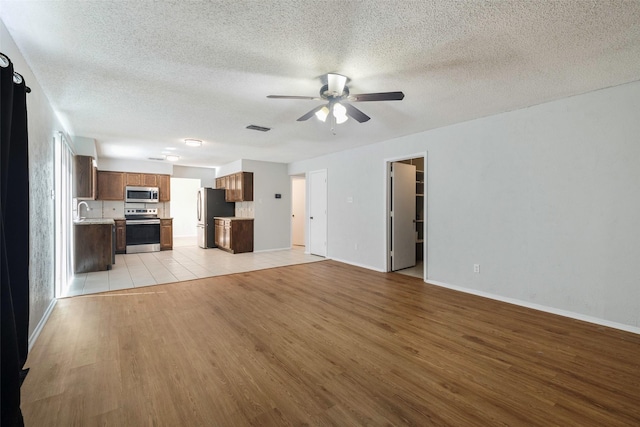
(336, 92)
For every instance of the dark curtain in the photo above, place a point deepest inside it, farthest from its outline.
(14, 222)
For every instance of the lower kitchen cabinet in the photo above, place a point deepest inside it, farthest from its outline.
(166, 234)
(234, 235)
(93, 247)
(219, 233)
(121, 236)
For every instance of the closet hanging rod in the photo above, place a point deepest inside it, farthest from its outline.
(17, 77)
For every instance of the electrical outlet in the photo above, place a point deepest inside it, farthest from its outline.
(476, 268)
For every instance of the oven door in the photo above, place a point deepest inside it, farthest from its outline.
(143, 235)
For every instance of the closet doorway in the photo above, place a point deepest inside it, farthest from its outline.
(406, 216)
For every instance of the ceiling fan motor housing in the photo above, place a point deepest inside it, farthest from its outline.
(325, 94)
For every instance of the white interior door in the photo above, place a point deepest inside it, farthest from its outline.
(318, 213)
(298, 211)
(403, 215)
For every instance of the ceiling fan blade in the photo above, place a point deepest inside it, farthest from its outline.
(336, 83)
(356, 114)
(310, 113)
(384, 96)
(293, 97)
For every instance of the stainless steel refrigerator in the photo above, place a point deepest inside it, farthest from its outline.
(211, 203)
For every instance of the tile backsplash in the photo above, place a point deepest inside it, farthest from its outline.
(115, 209)
(112, 209)
(244, 210)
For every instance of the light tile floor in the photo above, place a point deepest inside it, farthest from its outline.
(415, 271)
(185, 262)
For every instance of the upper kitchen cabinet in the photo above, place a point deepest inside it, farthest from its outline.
(141, 179)
(244, 186)
(164, 188)
(84, 183)
(111, 185)
(239, 187)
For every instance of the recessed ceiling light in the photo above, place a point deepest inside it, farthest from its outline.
(172, 158)
(193, 142)
(170, 148)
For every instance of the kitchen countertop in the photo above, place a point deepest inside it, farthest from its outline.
(93, 221)
(234, 218)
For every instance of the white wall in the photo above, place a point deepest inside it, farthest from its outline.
(272, 225)
(42, 126)
(545, 199)
(84, 146)
(139, 166)
(207, 176)
(230, 168)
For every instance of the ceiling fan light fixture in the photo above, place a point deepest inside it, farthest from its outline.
(193, 142)
(340, 113)
(340, 120)
(322, 114)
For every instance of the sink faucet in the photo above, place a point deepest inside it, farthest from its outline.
(80, 207)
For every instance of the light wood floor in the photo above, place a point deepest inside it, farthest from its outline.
(323, 344)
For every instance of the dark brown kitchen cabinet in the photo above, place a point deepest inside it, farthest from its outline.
(133, 179)
(110, 185)
(84, 183)
(234, 235)
(244, 186)
(121, 236)
(141, 179)
(164, 188)
(238, 187)
(149, 180)
(92, 247)
(166, 234)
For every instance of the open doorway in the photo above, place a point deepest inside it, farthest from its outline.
(406, 216)
(298, 210)
(183, 210)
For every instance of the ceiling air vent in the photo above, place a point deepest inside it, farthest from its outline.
(156, 158)
(260, 128)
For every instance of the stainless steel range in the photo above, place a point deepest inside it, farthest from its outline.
(143, 230)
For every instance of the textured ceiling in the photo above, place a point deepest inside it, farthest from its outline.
(140, 76)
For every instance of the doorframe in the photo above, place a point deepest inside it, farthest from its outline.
(292, 178)
(309, 196)
(387, 218)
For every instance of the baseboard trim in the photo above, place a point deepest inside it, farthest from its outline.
(36, 332)
(559, 312)
(355, 264)
(272, 250)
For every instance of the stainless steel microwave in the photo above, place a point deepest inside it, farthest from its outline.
(141, 194)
